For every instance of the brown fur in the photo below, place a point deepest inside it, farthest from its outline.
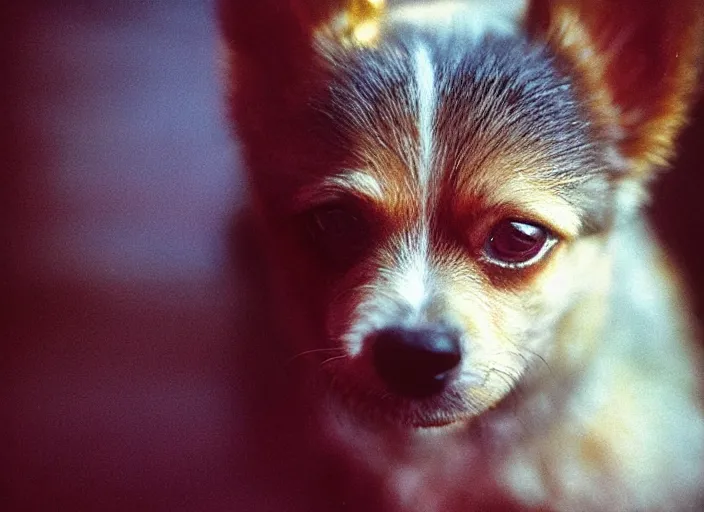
(647, 54)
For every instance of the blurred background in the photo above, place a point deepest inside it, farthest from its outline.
(119, 309)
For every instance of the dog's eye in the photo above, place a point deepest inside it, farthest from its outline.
(338, 233)
(514, 244)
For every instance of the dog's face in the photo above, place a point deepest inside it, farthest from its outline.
(443, 234)
(439, 199)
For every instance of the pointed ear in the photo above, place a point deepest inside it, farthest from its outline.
(276, 37)
(272, 35)
(637, 63)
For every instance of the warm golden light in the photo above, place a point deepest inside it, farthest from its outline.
(366, 33)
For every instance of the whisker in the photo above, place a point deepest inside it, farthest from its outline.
(509, 378)
(515, 394)
(541, 358)
(528, 355)
(312, 351)
(333, 358)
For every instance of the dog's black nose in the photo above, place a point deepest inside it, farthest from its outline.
(416, 362)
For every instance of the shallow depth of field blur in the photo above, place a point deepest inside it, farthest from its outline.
(118, 322)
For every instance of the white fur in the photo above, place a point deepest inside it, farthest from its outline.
(357, 182)
(352, 181)
(474, 18)
(412, 283)
(407, 285)
(425, 89)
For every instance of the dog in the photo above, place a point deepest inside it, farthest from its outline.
(449, 196)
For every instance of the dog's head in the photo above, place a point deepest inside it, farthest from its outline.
(438, 181)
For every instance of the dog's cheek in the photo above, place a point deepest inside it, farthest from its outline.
(300, 287)
(574, 283)
(492, 322)
(344, 326)
(519, 329)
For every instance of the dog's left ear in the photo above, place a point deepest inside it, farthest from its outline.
(637, 66)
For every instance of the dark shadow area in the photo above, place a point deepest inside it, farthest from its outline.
(678, 208)
(118, 335)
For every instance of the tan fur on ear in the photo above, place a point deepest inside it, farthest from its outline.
(637, 62)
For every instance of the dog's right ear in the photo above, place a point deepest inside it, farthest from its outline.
(638, 63)
(271, 36)
(274, 62)
(275, 39)
(270, 56)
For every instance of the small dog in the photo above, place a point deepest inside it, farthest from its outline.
(450, 197)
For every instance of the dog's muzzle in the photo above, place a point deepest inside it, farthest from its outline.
(416, 362)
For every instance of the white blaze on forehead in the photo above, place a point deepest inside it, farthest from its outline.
(426, 101)
(411, 280)
(407, 285)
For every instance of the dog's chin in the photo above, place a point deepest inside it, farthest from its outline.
(451, 408)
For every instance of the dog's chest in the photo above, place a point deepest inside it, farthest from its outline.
(432, 471)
